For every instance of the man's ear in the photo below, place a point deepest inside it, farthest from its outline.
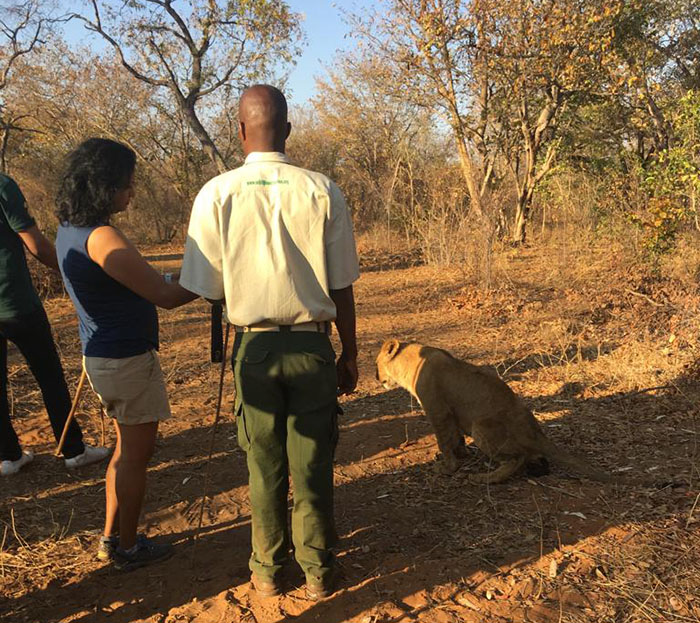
(241, 130)
(390, 348)
(289, 130)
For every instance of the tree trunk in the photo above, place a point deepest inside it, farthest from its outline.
(4, 139)
(520, 224)
(467, 167)
(200, 132)
(501, 223)
(523, 206)
(661, 134)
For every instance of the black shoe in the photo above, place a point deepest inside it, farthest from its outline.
(147, 552)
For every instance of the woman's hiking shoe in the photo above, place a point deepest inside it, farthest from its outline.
(143, 553)
(108, 546)
(90, 455)
(8, 468)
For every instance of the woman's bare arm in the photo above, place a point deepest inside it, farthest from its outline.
(120, 259)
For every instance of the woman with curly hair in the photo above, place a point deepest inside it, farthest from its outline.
(115, 293)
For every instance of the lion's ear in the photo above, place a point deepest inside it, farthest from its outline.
(390, 347)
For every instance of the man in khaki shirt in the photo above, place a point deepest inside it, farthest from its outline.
(275, 241)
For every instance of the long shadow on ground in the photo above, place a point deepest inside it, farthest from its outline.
(408, 532)
(180, 467)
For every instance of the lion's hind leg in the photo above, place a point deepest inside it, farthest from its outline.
(504, 471)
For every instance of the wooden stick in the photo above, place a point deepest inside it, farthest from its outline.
(211, 445)
(102, 424)
(73, 409)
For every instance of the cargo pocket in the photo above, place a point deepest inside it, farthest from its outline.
(248, 366)
(322, 353)
(320, 358)
(320, 365)
(249, 354)
(242, 430)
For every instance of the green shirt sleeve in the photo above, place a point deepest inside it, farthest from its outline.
(14, 207)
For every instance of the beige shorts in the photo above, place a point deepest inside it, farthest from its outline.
(132, 389)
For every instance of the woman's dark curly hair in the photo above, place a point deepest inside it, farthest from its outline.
(94, 172)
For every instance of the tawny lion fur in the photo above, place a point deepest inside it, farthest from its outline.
(463, 399)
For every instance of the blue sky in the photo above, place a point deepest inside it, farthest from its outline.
(326, 33)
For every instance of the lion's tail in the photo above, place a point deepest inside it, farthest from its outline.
(579, 467)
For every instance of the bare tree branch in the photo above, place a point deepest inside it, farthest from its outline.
(96, 27)
(186, 57)
(13, 35)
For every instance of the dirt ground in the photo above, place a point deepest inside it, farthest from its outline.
(604, 357)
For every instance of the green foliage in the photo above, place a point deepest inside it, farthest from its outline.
(672, 181)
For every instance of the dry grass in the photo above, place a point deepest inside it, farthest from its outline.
(606, 356)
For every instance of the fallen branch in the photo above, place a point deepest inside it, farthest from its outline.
(646, 298)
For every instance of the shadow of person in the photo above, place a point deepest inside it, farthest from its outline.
(195, 571)
(404, 532)
(179, 469)
(414, 542)
(410, 537)
(175, 485)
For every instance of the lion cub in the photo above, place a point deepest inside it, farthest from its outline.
(463, 399)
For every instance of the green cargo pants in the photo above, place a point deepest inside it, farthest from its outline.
(287, 424)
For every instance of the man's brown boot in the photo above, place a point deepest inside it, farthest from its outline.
(264, 587)
(318, 589)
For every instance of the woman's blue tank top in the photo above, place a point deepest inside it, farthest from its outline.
(113, 321)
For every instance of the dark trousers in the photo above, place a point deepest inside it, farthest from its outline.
(287, 424)
(32, 336)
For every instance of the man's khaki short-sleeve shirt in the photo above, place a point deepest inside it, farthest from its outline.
(272, 239)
